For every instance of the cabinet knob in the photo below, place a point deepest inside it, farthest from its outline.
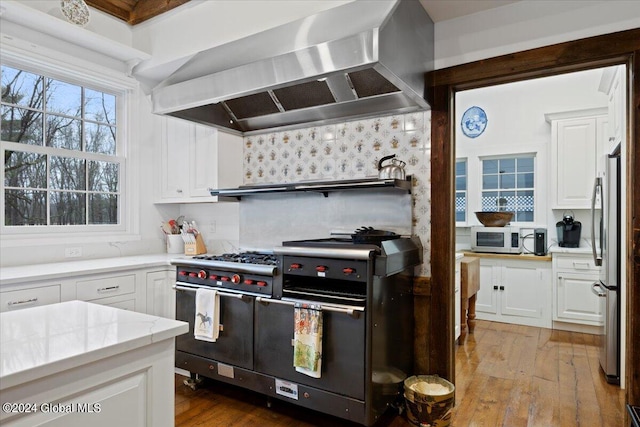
(502, 288)
(495, 287)
(179, 190)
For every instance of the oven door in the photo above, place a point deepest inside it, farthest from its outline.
(234, 346)
(343, 346)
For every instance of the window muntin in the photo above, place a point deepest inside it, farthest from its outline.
(461, 191)
(508, 185)
(61, 152)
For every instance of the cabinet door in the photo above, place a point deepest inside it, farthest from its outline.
(161, 297)
(575, 156)
(203, 164)
(175, 157)
(486, 298)
(523, 291)
(616, 109)
(602, 148)
(575, 301)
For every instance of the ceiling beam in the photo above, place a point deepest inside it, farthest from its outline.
(135, 11)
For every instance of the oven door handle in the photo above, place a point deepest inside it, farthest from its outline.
(222, 294)
(351, 310)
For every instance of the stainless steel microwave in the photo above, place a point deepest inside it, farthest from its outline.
(504, 240)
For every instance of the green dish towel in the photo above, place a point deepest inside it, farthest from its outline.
(307, 336)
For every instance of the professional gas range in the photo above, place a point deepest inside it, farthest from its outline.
(245, 272)
(365, 295)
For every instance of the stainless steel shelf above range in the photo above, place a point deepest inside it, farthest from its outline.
(323, 187)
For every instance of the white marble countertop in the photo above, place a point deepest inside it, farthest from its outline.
(584, 249)
(40, 341)
(36, 272)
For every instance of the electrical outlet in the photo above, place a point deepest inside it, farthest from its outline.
(73, 252)
(212, 227)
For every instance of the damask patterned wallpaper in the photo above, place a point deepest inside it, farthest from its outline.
(349, 150)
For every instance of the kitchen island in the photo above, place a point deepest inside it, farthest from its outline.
(76, 363)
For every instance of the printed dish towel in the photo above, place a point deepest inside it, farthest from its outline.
(307, 336)
(207, 321)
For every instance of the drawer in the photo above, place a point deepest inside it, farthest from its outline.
(23, 298)
(88, 290)
(576, 263)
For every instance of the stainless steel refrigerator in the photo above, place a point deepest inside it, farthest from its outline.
(605, 212)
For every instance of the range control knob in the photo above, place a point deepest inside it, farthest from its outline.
(224, 278)
(213, 277)
(261, 283)
(348, 271)
(235, 278)
(248, 282)
(295, 266)
(193, 274)
(183, 273)
(202, 274)
(321, 268)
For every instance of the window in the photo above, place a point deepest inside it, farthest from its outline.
(508, 185)
(62, 165)
(461, 191)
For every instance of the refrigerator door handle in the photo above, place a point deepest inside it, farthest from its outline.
(597, 289)
(597, 258)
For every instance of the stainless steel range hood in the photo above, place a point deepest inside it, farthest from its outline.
(362, 59)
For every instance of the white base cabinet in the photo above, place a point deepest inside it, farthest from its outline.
(147, 290)
(161, 297)
(92, 373)
(574, 300)
(515, 291)
(118, 290)
(458, 302)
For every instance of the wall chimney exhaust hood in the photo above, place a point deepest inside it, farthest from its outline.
(362, 59)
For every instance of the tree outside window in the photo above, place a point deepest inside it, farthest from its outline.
(61, 165)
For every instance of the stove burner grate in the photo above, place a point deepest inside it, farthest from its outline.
(242, 257)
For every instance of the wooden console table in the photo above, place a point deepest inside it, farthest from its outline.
(469, 286)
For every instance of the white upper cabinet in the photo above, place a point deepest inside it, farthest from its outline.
(613, 84)
(195, 158)
(577, 145)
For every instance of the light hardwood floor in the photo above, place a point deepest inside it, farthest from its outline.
(506, 375)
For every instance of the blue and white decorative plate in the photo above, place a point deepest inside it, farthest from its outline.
(474, 122)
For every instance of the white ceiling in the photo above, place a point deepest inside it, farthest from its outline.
(442, 10)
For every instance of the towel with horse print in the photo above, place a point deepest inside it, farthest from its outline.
(206, 325)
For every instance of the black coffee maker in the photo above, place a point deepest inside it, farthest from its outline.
(568, 232)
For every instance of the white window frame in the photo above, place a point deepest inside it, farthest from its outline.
(535, 190)
(101, 79)
(466, 192)
(474, 178)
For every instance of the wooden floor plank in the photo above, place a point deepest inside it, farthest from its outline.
(506, 375)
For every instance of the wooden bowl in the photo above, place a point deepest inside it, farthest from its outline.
(494, 219)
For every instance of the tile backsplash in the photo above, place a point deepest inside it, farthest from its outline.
(349, 150)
